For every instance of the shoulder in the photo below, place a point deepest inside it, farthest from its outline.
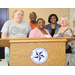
(69, 29)
(25, 22)
(58, 25)
(69, 32)
(47, 26)
(35, 29)
(33, 32)
(8, 21)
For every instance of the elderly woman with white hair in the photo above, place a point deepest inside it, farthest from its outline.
(65, 31)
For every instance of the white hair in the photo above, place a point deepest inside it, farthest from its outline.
(16, 11)
(66, 18)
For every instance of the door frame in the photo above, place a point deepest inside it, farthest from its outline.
(72, 18)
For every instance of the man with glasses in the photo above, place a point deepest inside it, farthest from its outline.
(33, 22)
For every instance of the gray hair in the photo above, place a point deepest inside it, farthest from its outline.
(16, 11)
(66, 18)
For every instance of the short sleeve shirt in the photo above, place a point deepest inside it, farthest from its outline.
(15, 30)
(33, 25)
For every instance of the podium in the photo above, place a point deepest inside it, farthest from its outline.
(20, 50)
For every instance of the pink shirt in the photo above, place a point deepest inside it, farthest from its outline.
(36, 33)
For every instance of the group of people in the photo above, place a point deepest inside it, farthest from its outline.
(17, 28)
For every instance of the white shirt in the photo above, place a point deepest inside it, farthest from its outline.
(47, 35)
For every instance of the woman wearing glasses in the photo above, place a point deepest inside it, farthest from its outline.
(64, 31)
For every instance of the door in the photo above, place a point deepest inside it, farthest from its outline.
(3, 18)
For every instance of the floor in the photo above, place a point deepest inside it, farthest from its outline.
(3, 62)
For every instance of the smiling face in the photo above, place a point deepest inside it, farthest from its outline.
(41, 24)
(63, 22)
(18, 16)
(33, 17)
(53, 19)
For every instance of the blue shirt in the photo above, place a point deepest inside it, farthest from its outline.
(49, 28)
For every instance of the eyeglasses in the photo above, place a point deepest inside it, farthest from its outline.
(32, 15)
(62, 20)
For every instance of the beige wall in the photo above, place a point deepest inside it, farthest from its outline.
(41, 12)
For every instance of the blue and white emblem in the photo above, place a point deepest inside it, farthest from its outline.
(39, 55)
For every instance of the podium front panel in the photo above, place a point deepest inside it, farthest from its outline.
(20, 52)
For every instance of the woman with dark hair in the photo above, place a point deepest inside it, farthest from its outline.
(53, 26)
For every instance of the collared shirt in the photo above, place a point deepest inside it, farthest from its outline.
(33, 25)
(49, 28)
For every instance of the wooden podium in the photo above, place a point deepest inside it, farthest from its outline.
(21, 48)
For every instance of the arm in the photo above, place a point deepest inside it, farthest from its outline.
(4, 35)
(32, 34)
(5, 29)
(29, 30)
(68, 33)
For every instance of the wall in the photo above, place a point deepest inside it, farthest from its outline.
(72, 19)
(41, 12)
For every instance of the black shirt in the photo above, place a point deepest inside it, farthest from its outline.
(53, 31)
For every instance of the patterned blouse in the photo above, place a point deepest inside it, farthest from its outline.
(49, 28)
(66, 33)
(72, 44)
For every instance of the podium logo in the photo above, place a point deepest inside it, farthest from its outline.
(39, 55)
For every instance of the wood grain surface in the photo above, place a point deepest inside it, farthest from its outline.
(20, 53)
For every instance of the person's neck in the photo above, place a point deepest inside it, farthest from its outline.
(41, 29)
(33, 22)
(53, 24)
